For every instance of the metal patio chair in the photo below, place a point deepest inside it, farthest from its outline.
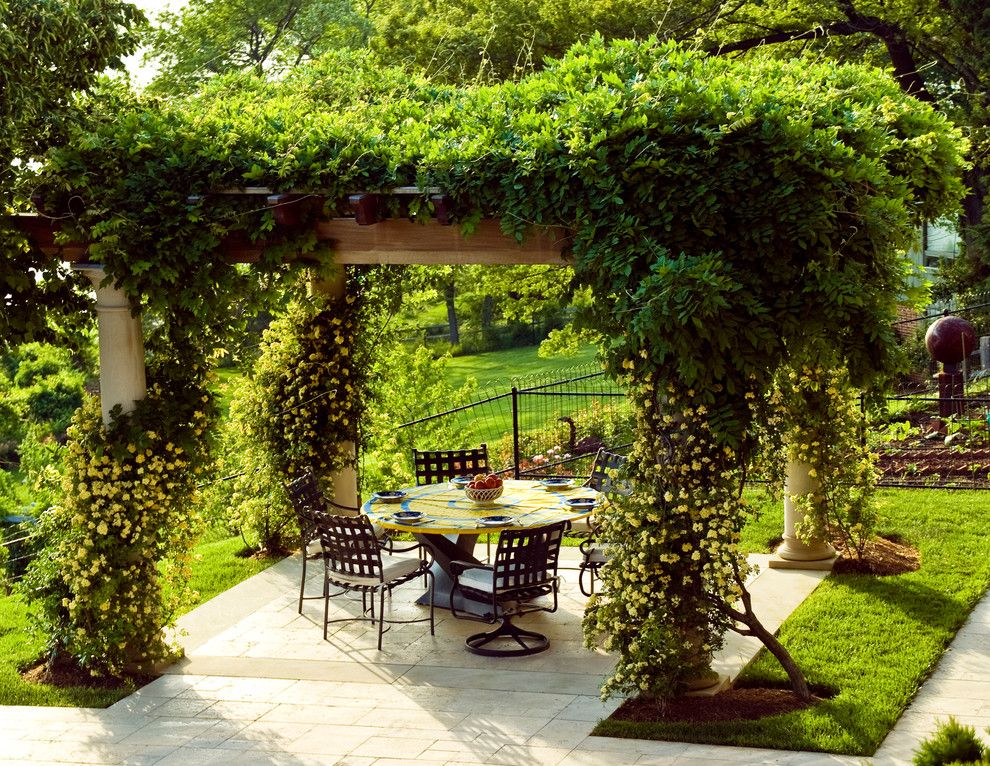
(308, 501)
(437, 466)
(525, 568)
(606, 477)
(353, 561)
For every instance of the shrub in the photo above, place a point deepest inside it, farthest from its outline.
(951, 743)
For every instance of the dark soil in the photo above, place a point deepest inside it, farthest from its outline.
(930, 462)
(744, 703)
(883, 557)
(67, 674)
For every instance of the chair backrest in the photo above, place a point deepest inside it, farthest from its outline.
(435, 466)
(350, 547)
(307, 501)
(606, 473)
(527, 557)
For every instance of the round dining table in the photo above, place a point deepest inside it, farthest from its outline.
(451, 522)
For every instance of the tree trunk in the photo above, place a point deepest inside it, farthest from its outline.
(755, 628)
(487, 315)
(448, 294)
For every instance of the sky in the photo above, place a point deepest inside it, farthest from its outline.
(140, 73)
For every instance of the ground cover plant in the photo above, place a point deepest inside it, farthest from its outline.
(873, 640)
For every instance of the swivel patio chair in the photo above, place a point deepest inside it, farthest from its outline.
(437, 466)
(308, 501)
(525, 569)
(606, 477)
(353, 561)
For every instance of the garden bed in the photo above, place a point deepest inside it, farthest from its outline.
(873, 640)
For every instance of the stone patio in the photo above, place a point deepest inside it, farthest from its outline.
(260, 686)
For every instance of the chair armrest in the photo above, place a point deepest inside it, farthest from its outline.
(457, 568)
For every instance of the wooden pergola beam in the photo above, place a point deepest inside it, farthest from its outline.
(399, 241)
(391, 241)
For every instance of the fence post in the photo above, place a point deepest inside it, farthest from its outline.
(515, 431)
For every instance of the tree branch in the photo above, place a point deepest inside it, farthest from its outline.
(891, 35)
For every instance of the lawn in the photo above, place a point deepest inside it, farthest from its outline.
(498, 369)
(217, 566)
(873, 640)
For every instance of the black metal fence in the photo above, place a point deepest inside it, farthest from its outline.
(539, 426)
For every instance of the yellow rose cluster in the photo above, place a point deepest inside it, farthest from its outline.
(119, 541)
(673, 544)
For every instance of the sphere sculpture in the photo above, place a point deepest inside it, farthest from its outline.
(950, 340)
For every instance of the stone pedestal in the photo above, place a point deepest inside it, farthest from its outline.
(122, 374)
(794, 553)
(345, 481)
(950, 391)
(985, 352)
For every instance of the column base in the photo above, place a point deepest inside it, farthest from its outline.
(707, 684)
(817, 565)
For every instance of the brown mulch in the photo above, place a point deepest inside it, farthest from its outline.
(739, 704)
(883, 557)
(68, 674)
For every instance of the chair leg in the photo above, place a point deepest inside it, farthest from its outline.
(588, 591)
(381, 616)
(529, 642)
(326, 606)
(432, 581)
(302, 583)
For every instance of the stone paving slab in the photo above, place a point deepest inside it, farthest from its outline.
(260, 686)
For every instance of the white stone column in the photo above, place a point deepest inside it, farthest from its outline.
(122, 374)
(345, 481)
(794, 553)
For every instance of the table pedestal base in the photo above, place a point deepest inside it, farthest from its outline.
(447, 548)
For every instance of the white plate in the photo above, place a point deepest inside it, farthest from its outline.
(496, 521)
(557, 483)
(417, 520)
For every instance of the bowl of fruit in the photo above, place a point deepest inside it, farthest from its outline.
(484, 488)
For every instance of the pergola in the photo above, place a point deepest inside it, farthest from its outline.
(367, 235)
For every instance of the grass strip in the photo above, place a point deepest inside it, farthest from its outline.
(216, 567)
(874, 640)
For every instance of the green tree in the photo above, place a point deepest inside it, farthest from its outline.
(38, 85)
(211, 37)
(937, 50)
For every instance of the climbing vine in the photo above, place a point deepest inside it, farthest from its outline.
(822, 424)
(299, 409)
(117, 546)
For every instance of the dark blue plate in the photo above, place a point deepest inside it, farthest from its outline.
(581, 502)
(390, 496)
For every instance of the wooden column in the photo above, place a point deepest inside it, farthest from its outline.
(345, 481)
(122, 374)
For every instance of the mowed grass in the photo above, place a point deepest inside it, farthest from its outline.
(873, 640)
(498, 368)
(217, 567)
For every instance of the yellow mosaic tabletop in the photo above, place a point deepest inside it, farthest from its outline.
(447, 510)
